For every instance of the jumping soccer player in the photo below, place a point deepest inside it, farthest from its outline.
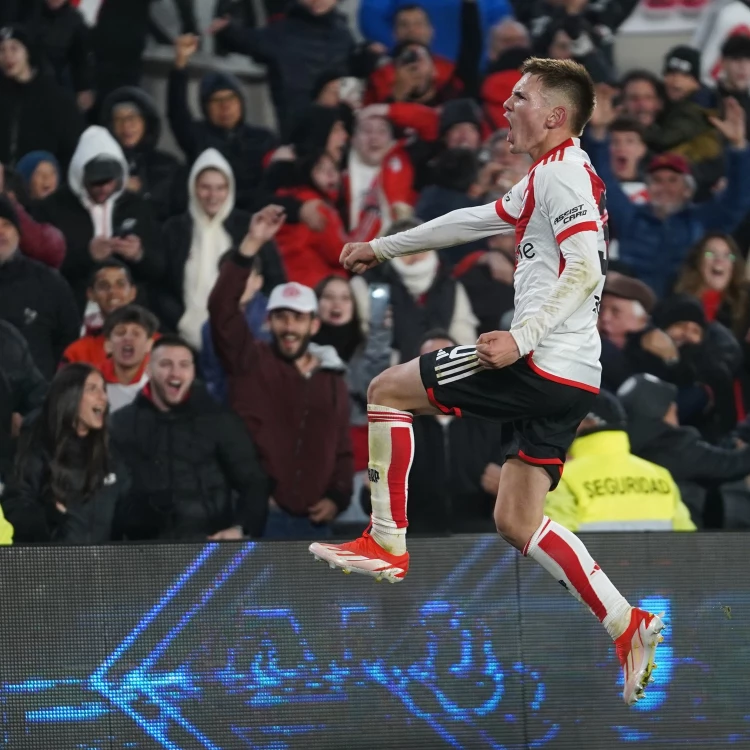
(539, 378)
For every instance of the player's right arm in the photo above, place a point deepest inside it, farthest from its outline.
(456, 228)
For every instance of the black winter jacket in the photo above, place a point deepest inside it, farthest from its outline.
(162, 176)
(38, 302)
(177, 236)
(64, 210)
(687, 457)
(28, 505)
(697, 466)
(296, 49)
(22, 387)
(65, 41)
(38, 115)
(28, 386)
(244, 147)
(445, 492)
(195, 470)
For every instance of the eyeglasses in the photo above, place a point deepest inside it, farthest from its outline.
(711, 255)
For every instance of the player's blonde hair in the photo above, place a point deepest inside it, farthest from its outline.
(570, 79)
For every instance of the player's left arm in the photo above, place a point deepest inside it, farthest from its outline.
(566, 197)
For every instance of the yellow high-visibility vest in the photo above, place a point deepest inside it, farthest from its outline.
(606, 488)
(6, 530)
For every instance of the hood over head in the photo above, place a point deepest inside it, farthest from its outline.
(95, 142)
(144, 103)
(211, 159)
(218, 81)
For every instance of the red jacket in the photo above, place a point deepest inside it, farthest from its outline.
(300, 424)
(42, 242)
(395, 179)
(496, 90)
(309, 256)
(381, 81)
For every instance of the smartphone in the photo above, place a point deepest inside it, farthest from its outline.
(380, 301)
(127, 227)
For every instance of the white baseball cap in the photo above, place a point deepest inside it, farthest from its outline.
(293, 296)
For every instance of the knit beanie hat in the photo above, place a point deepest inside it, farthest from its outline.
(8, 212)
(683, 59)
(458, 111)
(27, 164)
(607, 412)
(678, 308)
(646, 396)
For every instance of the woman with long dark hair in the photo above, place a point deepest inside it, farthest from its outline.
(66, 486)
(365, 356)
(714, 273)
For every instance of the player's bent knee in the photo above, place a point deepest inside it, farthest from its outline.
(383, 389)
(510, 527)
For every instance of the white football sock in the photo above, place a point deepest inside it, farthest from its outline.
(391, 441)
(562, 554)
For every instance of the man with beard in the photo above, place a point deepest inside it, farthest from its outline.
(290, 393)
(655, 237)
(194, 468)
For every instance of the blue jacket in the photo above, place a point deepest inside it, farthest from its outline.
(655, 248)
(213, 373)
(376, 21)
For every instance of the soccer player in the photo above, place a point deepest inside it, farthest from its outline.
(539, 379)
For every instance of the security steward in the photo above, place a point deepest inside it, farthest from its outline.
(606, 488)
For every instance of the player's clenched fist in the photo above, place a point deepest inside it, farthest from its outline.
(497, 349)
(357, 257)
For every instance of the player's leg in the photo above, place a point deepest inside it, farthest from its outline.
(519, 517)
(391, 399)
(381, 553)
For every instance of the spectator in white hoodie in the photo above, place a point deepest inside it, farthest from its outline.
(100, 218)
(194, 243)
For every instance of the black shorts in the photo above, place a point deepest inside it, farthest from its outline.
(540, 416)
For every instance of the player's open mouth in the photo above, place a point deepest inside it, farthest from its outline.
(128, 351)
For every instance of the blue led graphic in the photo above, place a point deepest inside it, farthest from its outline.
(259, 659)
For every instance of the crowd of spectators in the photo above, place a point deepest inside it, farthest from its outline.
(182, 356)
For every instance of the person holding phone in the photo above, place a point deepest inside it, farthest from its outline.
(100, 218)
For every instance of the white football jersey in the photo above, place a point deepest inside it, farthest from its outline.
(561, 196)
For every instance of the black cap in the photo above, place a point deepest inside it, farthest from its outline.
(607, 413)
(736, 47)
(102, 169)
(678, 308)
(645, 396)
(8, 212)
(683, 59)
